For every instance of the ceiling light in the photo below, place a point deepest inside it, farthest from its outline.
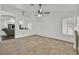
(40, 12)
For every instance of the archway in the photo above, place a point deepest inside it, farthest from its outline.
(8, 26)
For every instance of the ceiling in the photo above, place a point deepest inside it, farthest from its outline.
(55, 9)
(52, 7)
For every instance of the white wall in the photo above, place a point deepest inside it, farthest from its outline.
(12, 11)
(22, 33)
(49, 26)
(0, 19)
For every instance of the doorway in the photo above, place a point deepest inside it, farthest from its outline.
(8, 27)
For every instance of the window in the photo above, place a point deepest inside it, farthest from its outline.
(68, 26)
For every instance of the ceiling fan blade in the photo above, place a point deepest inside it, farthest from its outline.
(32, 4)
(46, 12)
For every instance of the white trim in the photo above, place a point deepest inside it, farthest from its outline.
(0, 39)
(7, 13)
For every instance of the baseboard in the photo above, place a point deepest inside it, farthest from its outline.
(55, 38)
(17, 37)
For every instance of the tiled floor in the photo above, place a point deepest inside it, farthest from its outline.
(36, 45)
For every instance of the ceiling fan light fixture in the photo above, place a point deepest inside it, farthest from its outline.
(40, 15)
(40, 11)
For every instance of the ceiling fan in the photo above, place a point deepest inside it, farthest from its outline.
(40, 11)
